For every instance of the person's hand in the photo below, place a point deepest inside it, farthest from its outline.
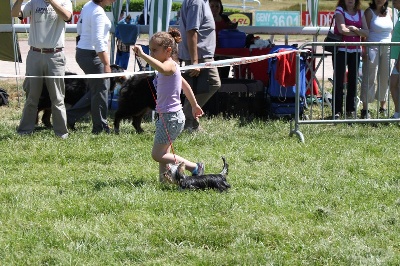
(107, 69)
(197, 111)
(194, 72)
(354, 29)
(351, 28)
(137, 49)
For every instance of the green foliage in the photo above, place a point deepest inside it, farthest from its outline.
(324, 5)
(134, 6)
(96, 200)
(78, 7)
(176, 6)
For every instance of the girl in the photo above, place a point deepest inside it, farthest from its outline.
(169, 83)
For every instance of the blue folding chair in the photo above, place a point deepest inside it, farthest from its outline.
(128, 33)
(143, 65)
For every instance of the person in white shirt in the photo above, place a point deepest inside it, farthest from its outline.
(92, 57)
(376, 60)
(45, 58)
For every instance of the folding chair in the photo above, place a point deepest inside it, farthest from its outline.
(143, 65)
(128, 33)
(259, 70)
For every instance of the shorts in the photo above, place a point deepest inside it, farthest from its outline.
(169, 126)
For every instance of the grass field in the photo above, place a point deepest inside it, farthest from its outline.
(95, 200)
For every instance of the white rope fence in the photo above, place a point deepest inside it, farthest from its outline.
(219, 63)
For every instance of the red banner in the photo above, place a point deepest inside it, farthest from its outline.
(75, 17)
(324, 18)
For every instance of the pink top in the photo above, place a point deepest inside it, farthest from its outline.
(169, 91)
(350, 20)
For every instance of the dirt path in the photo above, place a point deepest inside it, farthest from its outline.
(9, 67)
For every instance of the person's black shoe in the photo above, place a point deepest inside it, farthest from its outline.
(365, 114)
(71, 126)
(383, 111)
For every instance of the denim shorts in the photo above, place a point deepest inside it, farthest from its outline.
(169, 126)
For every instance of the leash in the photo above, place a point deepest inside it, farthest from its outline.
(163, 121)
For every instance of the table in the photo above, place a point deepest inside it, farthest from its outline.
(243, 97)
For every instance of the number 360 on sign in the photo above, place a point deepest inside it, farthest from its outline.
(277, 18)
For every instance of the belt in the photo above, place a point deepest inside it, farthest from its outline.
(46, 50)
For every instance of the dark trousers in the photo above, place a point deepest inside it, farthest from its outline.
(352, 61)
(95, 100)
(203, 87)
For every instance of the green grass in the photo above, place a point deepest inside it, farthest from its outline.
(96, 200)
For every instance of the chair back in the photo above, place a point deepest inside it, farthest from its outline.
(128, 33)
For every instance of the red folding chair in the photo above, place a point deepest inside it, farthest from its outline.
(259, 70)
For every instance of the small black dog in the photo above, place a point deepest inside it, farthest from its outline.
(137, 97)
(207, 181)
(75, 89)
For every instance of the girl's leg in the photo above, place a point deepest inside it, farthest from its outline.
(168, 128)
(161, 154)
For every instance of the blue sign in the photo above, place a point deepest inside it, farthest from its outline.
(277, 18)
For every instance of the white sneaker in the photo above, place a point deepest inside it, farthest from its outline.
(170, 175)
(396, 115)
(64, 136)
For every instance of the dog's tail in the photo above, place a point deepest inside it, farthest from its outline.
(224, 171)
